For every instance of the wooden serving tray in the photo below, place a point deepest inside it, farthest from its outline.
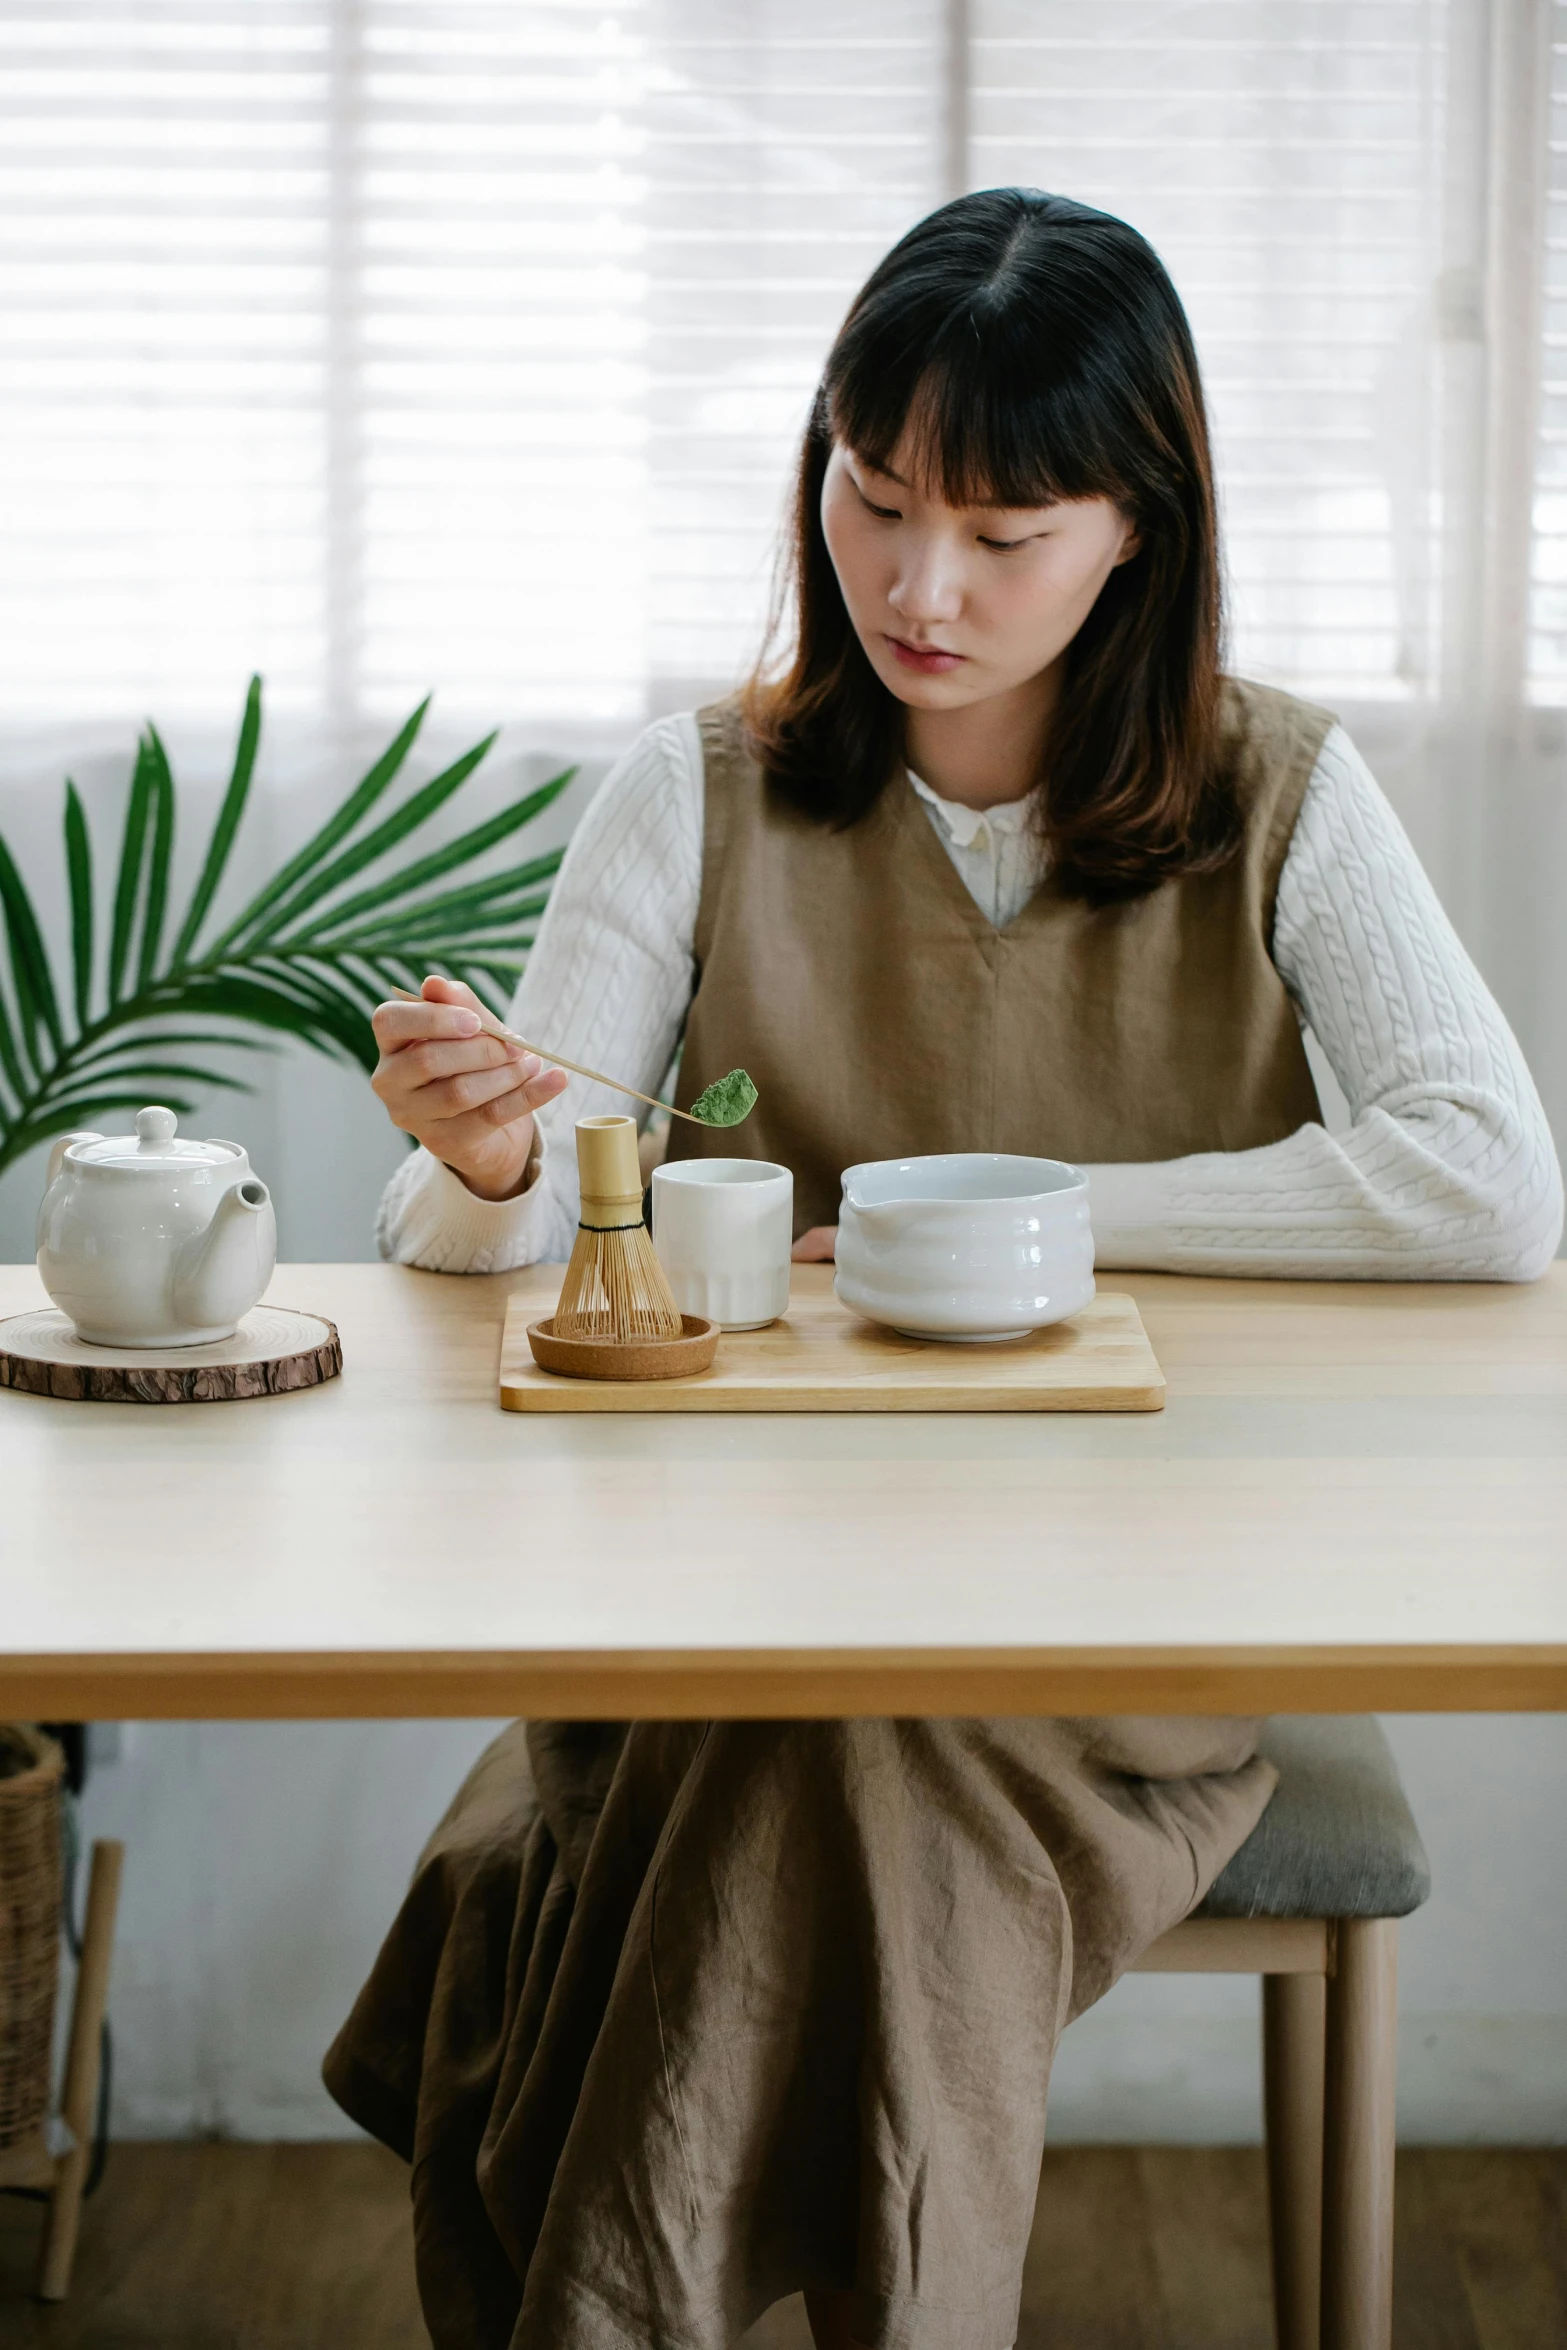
(822, 1358)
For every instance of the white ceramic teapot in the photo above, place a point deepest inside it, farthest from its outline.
(146, 1241)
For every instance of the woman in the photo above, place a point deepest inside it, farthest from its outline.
(681, 2018)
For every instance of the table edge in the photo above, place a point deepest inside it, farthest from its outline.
(782, 1684)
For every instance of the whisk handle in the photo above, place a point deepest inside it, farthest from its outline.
(609, 1173)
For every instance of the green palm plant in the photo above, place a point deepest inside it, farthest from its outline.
(309, 956)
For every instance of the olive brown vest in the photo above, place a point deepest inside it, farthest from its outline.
(882, 1015)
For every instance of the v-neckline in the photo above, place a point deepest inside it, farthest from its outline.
(912, 811)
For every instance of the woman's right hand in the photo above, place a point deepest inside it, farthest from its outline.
(468, 1096)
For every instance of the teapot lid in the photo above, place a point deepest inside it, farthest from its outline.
(153, 1148)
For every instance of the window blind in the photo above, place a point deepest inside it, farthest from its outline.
(165, 210)
(326, 355)
(790, 142)
(494, 395)
(1287, 164)
(383, 344)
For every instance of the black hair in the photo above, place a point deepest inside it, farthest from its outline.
(1036, 351)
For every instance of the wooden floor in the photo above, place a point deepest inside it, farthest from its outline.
(306, 2248)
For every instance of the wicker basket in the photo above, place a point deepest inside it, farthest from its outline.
(31, 1869)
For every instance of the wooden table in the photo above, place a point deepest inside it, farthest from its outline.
(1356, 1499)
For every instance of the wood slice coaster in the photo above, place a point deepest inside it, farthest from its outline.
(273, 1352)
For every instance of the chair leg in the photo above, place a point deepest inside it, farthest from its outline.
(81, 2071)
(1357, 2186)
(1294, 2028)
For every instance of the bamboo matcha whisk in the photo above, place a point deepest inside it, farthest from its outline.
(614, 1286)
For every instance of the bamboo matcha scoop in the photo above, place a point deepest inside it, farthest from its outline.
(728, 1101)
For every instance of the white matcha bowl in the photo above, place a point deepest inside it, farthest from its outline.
(971, 1245)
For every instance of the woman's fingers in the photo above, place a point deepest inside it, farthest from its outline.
(405, 1078)
(470, 1131)
(445, 1007)
(449, 991)
(532, 1095)
(492, 1097)
(468, 1095)
(467, 1088)
(398, 1025)
(819, 1246)
(427, 1060)
(468, 1140)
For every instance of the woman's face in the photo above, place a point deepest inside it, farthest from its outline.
(956, 604)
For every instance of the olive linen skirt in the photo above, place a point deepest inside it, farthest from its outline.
(680, 2018)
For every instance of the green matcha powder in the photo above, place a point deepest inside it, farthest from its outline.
(726, 1101)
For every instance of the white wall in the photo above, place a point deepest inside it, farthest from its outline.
(265, 1861)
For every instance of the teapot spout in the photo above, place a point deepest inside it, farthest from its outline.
(221, 1272)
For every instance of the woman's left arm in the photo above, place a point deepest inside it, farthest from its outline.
(1447, 1172)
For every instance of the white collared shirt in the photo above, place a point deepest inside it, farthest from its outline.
(997, 851)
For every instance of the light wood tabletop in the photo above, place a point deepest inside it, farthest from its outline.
(1355, 1498)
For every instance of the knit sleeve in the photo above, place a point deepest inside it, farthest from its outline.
(609, 983)
(1447, 1170)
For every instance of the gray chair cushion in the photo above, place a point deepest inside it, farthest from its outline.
(1338, 1839)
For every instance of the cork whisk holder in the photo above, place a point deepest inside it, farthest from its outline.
(616, 1317)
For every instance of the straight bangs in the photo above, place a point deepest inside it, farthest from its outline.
(984, 431)
(1032, 352)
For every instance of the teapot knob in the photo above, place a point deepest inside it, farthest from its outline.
(155, 1126)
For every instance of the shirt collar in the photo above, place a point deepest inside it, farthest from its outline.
(966, 824)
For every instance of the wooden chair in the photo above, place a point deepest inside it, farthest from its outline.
(1311, 1903)
(60, 2172)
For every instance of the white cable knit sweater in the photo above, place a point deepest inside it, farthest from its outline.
(1447, 1171)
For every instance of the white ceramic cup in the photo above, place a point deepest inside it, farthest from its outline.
(722, 1229)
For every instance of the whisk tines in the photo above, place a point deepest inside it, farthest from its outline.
(615, 1286)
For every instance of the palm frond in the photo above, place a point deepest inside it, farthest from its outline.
(215, 864)
(159, 857)
(127, 887)
(144, 1078)
(127, 1043)
(429, 918)
(358, 804)
(463, 851)
(80, 1109)
(490, 980)
(78, 866)
(269, 999)
(307, 958)
(32, 982)
(10, 1057)
(406, 819)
